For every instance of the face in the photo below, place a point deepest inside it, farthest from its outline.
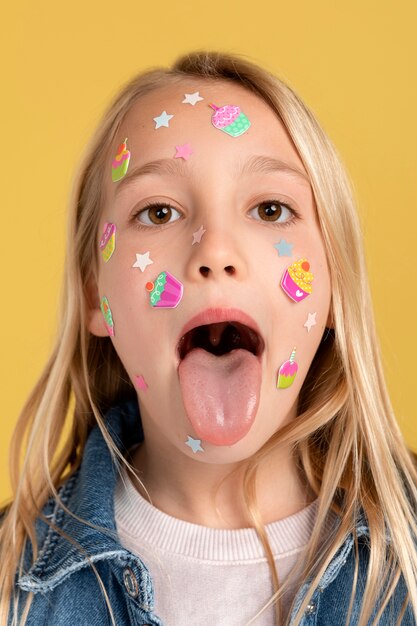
(218, 266)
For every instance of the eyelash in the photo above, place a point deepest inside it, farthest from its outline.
(151, 205)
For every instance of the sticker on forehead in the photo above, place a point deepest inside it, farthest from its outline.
(165, 292)
(287, 372)
(192, 98)
(230, 119)
(108, 241)
(120, 162)
(296, 281)
(108, 318)
(183, 152)
(162, 120)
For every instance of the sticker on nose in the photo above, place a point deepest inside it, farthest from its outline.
(165, 292)
(296, 281)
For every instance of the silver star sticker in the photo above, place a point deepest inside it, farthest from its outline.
(142, 261)
(192, 98)
(194, 444)
(162, 120)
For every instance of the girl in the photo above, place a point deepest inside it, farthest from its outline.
(231, 455)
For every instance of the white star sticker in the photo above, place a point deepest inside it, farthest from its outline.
(162, 120)
(195, 444)
(198, 234)
(142, 261)
(192, 98)
(311, 321)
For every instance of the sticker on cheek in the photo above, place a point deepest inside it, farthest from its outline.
(284, 248)
(311, 321)
(108, 318)
(296, 281)
(287, 372)
(194, 444)
(141, 383)
(230, 119)
(108, 241)
(165, 292)
(120, 162)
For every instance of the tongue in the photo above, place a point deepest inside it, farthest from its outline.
(220, 393)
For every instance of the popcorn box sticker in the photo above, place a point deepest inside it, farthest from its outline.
(296, 281)
(108, 241)
(230, 119)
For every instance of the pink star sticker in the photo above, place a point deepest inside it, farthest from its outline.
(183, 152)
(141, 383)
(198, 234)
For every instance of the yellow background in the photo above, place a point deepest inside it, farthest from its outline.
(354, 63)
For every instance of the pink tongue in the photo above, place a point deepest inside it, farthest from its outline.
(220, 393)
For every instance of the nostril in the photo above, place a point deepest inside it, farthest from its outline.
(229, 269)
(204, 271)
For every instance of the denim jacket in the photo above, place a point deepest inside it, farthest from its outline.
(67, 591)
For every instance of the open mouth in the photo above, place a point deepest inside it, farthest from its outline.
(221, 338)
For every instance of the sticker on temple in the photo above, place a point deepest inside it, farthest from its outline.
(230, 119)
(120, 162)
(165, 292)
(297, 279)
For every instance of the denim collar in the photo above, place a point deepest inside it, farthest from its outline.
(89, 494)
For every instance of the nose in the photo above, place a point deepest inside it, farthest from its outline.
(218, 255)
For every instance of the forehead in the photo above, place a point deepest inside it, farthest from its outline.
(192, 124)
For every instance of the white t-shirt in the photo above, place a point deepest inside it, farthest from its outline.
(204, 576)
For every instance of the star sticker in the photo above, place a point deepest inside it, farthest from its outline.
(195, 444)
(183, 152)
(311, 321)
(162, 120)
(142, 261)
(192, 98)
(284, 248)
(198, 234)
(141, 383)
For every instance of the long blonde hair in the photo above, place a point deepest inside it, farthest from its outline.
(347, 443)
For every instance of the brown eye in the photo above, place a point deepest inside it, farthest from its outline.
(158, 214)
(271, 212)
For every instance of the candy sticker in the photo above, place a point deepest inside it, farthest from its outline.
(108, 318)
(166, 292)
(229, 119)
(296, 281)
(287, 372)
(120, 162)
(108, 241)
(194, 444)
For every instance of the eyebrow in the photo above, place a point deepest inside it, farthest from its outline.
(178, 167)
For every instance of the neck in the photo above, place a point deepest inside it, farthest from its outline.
(212, 495)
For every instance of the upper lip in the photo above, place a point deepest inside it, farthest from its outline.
(215, 315)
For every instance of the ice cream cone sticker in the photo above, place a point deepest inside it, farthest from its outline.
(230, 119)
(120, 162)
(287, 372)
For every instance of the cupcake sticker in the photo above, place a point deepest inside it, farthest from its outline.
(296, 281)
(230, 119)
(165, 292)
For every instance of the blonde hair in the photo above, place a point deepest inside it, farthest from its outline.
(347, 443)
